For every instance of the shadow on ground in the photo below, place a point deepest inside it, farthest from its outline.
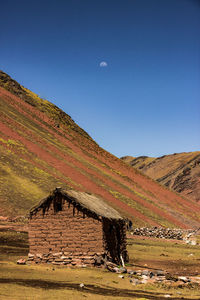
(89, 288)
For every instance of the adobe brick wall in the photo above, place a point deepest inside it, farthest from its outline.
(65, 237)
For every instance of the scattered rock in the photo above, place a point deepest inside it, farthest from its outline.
(21, 261)
(160, 278)
(184, 279)
(171, 278)
(151, 274)
(30, 255)
(131, 272)
(122, 270)
(82, 285)
(144, 281)
(135, 282)
(139, 273)
(145, 277)
(160, 273)
(193, 243)
(114, 268)
(145, 272)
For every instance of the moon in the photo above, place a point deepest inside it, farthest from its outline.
(103, 64)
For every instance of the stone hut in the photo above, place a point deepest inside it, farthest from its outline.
(76, 228)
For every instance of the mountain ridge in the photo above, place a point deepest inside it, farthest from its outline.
(54, 112)
(179, 171)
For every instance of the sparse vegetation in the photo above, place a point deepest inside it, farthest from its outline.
(50, 282)
(174, 257)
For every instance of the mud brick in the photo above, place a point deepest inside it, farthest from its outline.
(63, 257)
(67, 261)
(74, 260)
(87, 257)
(56, 235)
(80, 254)
(45, 255)
(31, 240)
(99, 253)
(72, 249)
(31, 235)
(89, 262)
(74, 263)
(57, 254)
(57, 263)
(91, 253)
(58, 260)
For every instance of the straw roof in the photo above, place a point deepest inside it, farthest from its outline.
(85, 201)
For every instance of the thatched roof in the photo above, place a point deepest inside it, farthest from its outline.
(84, 201)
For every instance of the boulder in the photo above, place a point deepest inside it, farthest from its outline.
(21, 261)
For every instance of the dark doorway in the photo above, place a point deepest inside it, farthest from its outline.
(112, 239)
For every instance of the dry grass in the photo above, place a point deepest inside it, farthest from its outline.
(175, 257)
(47, 282)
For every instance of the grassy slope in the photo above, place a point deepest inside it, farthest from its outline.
(47, 282)
(179, 171)
(41, 148)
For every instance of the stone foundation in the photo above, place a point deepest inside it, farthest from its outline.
(78, 259)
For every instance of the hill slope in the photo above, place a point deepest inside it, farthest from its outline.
(179, 171)
(41, 147)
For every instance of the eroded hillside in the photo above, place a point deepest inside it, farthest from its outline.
(41, 147)
(180, 171)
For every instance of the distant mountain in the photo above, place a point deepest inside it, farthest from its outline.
(41, 148)
(179, 171)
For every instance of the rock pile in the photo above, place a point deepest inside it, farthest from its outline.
(163, 233)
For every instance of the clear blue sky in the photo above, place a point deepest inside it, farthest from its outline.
(146, 101)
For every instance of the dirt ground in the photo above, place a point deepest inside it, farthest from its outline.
(51, 282)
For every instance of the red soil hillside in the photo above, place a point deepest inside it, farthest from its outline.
(179, 171)
(41, 147)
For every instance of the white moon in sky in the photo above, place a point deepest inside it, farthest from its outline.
(103, 64)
